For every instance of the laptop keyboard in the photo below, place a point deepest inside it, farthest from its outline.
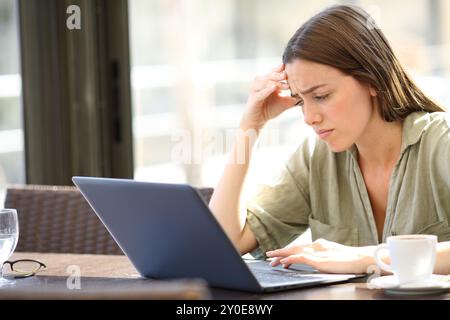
(265, 273)
(275, 276)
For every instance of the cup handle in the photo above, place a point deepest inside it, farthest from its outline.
(378, 260)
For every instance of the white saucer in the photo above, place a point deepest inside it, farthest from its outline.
(437, 284)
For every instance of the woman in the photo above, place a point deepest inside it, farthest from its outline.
(378, 167)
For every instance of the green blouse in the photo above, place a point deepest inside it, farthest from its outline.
(325, 191)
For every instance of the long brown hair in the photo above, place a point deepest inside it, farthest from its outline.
(347, 38)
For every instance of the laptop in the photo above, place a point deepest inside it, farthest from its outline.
(167, 231)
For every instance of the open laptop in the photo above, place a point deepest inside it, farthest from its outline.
(168, 231)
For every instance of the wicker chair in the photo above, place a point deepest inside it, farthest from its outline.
(58, 219)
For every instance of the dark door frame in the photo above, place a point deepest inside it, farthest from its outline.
(76, 90)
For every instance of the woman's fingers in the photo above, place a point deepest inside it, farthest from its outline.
(264, 83)
(289, 255)
(264, 93)
(268, 83)
(303, 258)
(278, 68)
(328, 264)
(288, 102)
(284, 252)
(266, 100)
(275, 261)
(325, 256)
(277, 76)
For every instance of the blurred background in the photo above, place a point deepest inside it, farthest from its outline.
(191, 63)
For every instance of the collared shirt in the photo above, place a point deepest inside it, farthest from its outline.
(325, 191)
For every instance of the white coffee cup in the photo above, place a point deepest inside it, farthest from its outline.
(412, 257)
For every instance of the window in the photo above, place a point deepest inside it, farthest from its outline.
(11, 132)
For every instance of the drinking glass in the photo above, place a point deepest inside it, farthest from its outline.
(9, 234)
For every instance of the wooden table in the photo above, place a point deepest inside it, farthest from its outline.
(78, 276)
(86, 277)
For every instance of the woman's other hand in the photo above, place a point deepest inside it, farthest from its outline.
(265, 101)
(325, 256)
